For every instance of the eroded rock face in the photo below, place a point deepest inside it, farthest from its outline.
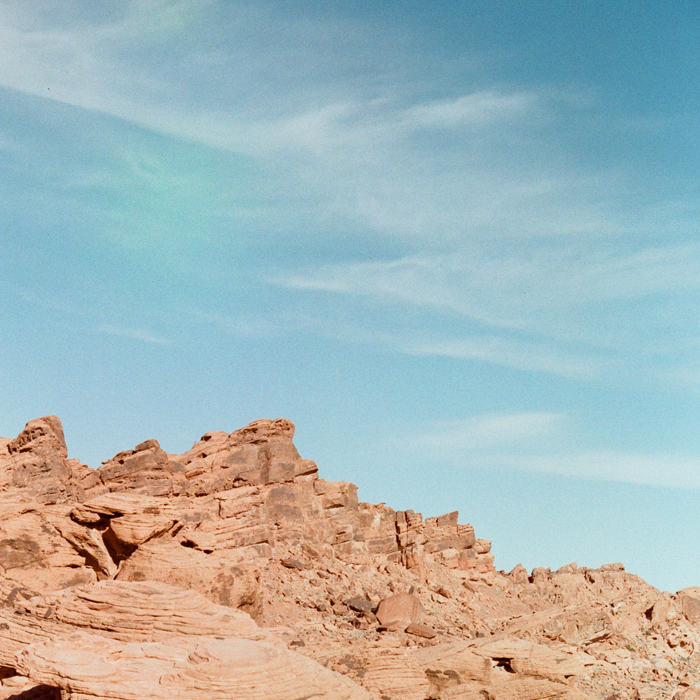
(210, 519)
(391, 605)
(35, 464)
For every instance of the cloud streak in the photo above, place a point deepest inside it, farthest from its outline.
(573, 312)
(657, 469)
(487, 431)
(389, 156)
(510, 352)
(138, 334)
(478, 109)
(539, 442)
(556, 276)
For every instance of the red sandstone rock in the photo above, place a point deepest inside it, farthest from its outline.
(420, 630)
(34, 464)
(399, 610)
(687, 694)
(242, 521)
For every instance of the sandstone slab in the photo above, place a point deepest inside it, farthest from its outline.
(134, 640)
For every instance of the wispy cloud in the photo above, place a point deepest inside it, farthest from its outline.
(503, 289)
(656, 469)
(487, 431)
(510, 352)
(375, 153)
(540, 441)
(538, 254)
(139, 334)
(513, 350)
(563, 310)
(476, 109)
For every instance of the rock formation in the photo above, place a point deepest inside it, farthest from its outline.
(233, 570)
(115, 639)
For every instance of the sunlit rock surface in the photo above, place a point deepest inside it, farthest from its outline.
(233, 570)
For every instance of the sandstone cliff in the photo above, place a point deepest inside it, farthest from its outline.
(233, 570)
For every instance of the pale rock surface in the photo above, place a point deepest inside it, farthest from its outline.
(35, 552)
(133, 640)
(210, 669)
(398, 611)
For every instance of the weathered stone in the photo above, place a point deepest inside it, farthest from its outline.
(687, 694)
(221, 518)
(690, 607)
(519, 575)
(399, 610)
(216, 576)
(452, 663)
(420, 630)
(40, 556)
(35, 464)
(292, 564)
(394, 673)
(362, 605)
(531, 659)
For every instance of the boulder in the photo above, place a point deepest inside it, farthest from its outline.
(692, 693)
(689, 605)
(418, 629)
(399, 611)
(42, 550)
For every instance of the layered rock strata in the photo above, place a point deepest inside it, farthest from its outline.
(133, 640)
(234, 566)
(208, 519)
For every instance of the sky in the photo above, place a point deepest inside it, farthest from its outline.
(456, 243)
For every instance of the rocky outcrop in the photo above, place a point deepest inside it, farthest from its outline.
(211, 669)
(34, 465)
(233, 568)
(260, 454)
(209, 519)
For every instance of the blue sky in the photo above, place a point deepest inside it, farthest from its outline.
(456, 243)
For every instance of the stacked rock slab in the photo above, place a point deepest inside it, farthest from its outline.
(267, 493)
(209, 518)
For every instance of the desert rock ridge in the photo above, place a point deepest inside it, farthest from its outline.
(234, 571)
